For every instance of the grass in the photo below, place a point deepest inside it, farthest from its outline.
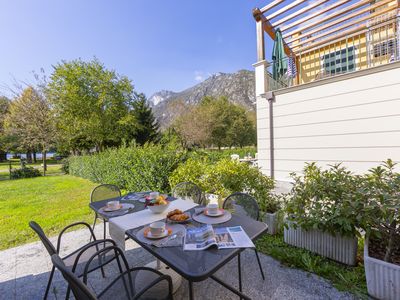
(344, 278)
(53, 167)
(53, 202)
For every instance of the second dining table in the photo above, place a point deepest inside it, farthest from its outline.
(194, 266)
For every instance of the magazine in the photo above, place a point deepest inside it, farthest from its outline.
(201, 238)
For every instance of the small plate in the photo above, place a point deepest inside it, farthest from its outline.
(220, 213)
(147, 234)
(181, 222)
(108, 209)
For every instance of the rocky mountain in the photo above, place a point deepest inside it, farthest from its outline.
(238, 87)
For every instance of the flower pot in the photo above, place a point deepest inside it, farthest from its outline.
(342, 249)
(272, 221)
(383, 278)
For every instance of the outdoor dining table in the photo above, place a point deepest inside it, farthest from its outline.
(197, 266)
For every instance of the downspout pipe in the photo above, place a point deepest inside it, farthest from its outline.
(271, 99)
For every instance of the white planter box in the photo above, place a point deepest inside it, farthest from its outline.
(272, 221)
(339, 248)
(383, 279)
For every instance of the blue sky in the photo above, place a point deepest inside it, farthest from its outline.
(158, 44)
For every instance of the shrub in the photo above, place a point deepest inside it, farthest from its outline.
(132, 168)
(65, 165)
(328, 200)
(224, 178)
(26, 172)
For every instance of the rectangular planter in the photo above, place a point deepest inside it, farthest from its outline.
(383, 279)
(339, 248)
(272, 221)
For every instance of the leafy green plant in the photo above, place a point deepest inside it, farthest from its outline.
(132, 168)
(328, 200)
(224, 177)
(382, 210)
(26, 172)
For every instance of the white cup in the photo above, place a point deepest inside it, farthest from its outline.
(157, 228)
(212, 208)
(113, 204)
(154, 195)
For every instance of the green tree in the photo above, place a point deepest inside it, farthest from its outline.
(91, 104)
(31, 121)
(4, 104)
(146, 126)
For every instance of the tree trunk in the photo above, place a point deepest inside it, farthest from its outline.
(391, 243)
(29, 157)
(34, 157)
(44, 162)
(3, 155)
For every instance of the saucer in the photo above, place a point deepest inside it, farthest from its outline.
(218, 214)
(147, 234)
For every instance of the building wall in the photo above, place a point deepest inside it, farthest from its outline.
(352, 118)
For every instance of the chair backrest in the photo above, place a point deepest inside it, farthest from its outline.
(242, 204)
(79, 289)
(46, 242)
(188, 190)
(105, 191)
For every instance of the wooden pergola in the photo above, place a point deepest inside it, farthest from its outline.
(317, 23)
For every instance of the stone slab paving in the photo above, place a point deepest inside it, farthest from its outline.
(24, 273)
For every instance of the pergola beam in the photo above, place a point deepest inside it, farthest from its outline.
(341, 20)
(328, 17)
(284, 9)
(313, 15)
(299, 12)
(271, 5)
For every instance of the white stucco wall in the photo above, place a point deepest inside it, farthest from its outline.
(355, 121)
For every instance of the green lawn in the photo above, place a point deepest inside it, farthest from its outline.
(344, 278)
(53, 202)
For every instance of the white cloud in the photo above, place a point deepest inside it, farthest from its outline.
(199, 75)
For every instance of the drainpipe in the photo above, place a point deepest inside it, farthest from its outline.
(271, 99)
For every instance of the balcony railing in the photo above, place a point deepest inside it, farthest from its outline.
(374, 46)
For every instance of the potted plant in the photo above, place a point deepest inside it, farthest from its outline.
(382, 244)
(323, 212)
(270, 211)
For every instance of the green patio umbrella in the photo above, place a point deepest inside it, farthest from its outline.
(279, 58)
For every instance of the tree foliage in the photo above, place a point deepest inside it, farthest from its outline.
(91, 103)
(216, 122)
(4, 104)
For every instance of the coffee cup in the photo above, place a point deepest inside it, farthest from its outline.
(212, 208)
(113, 204)
(157, 228)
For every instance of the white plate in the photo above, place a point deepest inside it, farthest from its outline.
(220, 213)
(150, 236)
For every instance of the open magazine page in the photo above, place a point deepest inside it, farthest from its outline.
(199, 238)
(232, 237)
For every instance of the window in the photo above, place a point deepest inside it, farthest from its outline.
(385, 48)
(340, 61)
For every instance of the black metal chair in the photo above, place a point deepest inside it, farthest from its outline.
(72, 260)
(245, 205)
(104, 192)
(188, 190)
(125, 283)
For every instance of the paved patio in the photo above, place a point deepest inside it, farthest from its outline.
(24, 273)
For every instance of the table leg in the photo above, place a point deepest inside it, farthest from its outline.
(191, 297)
(240, 274)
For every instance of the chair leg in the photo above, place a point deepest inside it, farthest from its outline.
(49, 283)
(105, 228)
(68, 292)
(259, 264)
(240, 273)
(94, 224)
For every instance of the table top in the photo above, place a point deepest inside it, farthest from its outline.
(199, 265)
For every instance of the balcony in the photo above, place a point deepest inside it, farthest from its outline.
(351, 38)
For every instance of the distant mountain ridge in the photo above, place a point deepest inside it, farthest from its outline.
(238, 87)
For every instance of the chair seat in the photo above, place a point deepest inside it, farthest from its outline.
(70, 259)
(140, 280)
